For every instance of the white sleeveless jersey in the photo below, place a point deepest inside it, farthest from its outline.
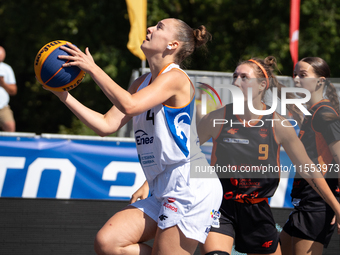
(166, 137)
(168, 148)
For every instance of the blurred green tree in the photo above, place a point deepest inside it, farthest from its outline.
(241, 29)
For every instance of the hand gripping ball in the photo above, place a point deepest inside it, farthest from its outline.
(50, 72)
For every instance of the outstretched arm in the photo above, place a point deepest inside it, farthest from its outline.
(298, 155)
(159, 91)
(102, 124)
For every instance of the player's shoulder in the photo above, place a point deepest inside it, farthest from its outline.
(174, 79)
(323, 117)
(176, 74)
(320, 111)
(324, 108)
(134, 86)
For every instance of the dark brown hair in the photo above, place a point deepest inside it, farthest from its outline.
(321, 69)
(191, 39)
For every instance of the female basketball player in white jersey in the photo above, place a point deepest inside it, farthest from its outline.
(246, 218)
(161, 103)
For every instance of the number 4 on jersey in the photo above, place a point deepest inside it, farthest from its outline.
(150, 116)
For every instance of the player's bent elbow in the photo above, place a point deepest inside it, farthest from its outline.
(130, 110)
(103, 133)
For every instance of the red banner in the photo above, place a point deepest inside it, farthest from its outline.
(294, 29)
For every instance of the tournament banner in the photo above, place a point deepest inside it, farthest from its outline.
(83, 167)
(38, 167)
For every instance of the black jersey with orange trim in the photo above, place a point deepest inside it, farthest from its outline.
(316, 134)
(243, 149)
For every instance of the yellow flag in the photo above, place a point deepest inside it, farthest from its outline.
(137, 17)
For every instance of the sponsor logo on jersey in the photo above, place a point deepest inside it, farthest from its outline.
(241, 196)
(249, 183)
(234, 140)
(263, 132)
(228, 195)
(232, 131)
(234, 181)
(267, 244)
(146, 159)
(183, 128)
(169, 206)
(143, 138)
(207, 230)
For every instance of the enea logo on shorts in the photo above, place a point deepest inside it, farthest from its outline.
(142, 137)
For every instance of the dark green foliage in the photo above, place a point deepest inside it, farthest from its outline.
(241, 29)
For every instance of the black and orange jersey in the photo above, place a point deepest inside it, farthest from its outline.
(246, 157)
(316, 134)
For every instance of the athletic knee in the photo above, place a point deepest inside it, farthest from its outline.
(100, 244)
(217, 253)
(103, 245)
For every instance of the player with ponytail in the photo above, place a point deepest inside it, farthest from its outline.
(311, 224)
(162, 105)
(247, 140)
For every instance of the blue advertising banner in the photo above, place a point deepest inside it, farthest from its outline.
(38, 167)
(83, 167)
